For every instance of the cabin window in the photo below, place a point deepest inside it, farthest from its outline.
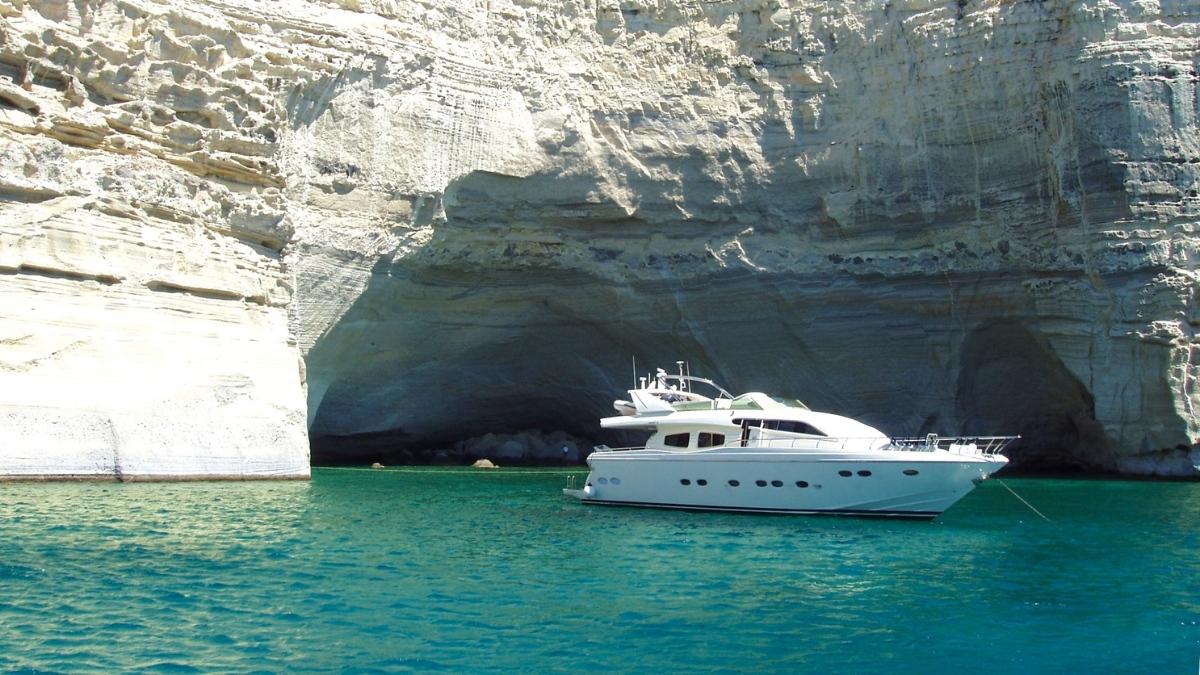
(760, 483)
(707, 440)
(776, 483)
(864, 473)
(801, 483)
(701, 482)
(845, 474)
(602, 481)
(684, 481)
(677, 440)
(795, 427)
(790, 426)
(734, 483)
(911, 472)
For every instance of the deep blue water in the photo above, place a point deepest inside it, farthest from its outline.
(495, 571)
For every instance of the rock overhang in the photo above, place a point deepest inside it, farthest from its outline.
(864, 200)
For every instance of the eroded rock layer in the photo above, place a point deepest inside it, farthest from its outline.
(143, 320)
(973, 217)
(960, 217)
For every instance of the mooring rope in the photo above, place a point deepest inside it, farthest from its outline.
(1014, 493)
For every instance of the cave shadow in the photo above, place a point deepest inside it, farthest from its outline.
(1010, 378)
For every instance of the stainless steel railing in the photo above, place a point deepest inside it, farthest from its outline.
(986, 446)
(973, 445)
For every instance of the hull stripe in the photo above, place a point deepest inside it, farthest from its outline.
(927, 515)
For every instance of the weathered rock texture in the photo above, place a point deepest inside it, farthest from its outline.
(966, 216)
(143, 300)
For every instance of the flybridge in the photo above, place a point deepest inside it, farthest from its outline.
(663, 393)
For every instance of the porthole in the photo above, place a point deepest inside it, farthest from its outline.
(760, 483)
(911, 472)
(602, 481)
(801, 483)
(615, 481)
(864, 473)
(701, 482)
(845, 474)
(776, 483)
(734, 483)
(684, 481)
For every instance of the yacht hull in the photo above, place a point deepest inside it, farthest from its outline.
(891, 483)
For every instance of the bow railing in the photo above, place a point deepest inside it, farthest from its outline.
(965, 445)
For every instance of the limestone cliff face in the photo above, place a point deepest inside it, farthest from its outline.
(960, 216)
(966, 216)
(143, 299)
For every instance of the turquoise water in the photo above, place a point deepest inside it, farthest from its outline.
(495, 571)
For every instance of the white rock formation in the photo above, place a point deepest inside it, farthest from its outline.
(143, 320)
(964, 216)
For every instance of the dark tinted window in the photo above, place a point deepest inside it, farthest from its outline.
(864, 473)
(845, 473)
(782, 425)
(734, 483)
(707, 440)
(701, 482)
(797, 428)
(684, 481)
(677, 440)
(777, 483)
(760, 483)
(801, 483)
(911, 472)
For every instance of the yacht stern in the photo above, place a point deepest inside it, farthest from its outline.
(581, 494)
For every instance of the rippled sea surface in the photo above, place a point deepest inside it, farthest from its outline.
(430, 569)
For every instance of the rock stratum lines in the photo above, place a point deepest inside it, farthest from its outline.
(229, 226)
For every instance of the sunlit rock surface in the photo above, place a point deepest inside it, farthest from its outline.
(963, 217)
(956, 217)
(143, 320)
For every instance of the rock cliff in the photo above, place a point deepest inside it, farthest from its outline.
(143, 295)
(969, 216)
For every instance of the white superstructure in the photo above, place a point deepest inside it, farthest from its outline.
(761, 454)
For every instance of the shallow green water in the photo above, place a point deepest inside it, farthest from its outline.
(468, 571)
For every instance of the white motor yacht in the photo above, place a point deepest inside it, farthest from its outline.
(760, 454)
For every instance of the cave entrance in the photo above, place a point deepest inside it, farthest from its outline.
(1011, 381)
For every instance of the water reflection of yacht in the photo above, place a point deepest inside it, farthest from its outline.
(761, 454)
